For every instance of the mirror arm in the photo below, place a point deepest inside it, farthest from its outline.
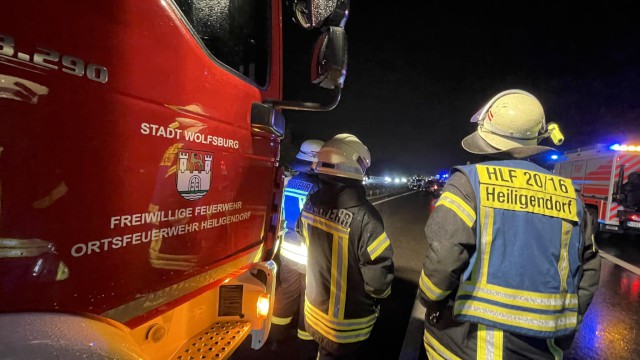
(307, 106)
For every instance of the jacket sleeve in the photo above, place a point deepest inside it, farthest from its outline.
(590, 265)
(300, 228)
(450, 240)
(376, 256)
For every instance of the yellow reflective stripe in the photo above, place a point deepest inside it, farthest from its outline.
(557, 353)
(498, 344)
(563, 261)
(325, 224)
(486, 238)
(338, 336)
(380, 250)
(431, 353)
(339, 324)
(378, 246)
(527, 299)
(386, 293)
(490, 343)
(304, 335)
(453, 202)
(428, 288)
(481, 351)
(441, 351)
(521, 319)
(280, 321)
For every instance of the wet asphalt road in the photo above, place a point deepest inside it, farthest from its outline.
(611, 327)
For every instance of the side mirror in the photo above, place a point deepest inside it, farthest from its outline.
(328, 69)
(317, 13)
(329, 62)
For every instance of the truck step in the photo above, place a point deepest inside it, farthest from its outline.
(217, 341)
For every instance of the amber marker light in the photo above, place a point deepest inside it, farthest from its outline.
(263, 306)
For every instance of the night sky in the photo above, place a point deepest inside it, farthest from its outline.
(416, 75)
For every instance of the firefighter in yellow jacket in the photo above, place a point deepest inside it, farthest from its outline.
(349, 264)
(511, 265)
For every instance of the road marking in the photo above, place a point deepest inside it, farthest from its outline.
(393, 197)
(412, 344)
(624, 264)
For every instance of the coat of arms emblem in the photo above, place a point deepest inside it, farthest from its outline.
(193, 173)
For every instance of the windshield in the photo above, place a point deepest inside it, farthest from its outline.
(236, 32)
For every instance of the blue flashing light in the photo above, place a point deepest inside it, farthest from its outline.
(554, 157)
(615, 147)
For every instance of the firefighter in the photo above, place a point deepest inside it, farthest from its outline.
(289, 297)
(511, 265)
(350, 264)
(631, 191)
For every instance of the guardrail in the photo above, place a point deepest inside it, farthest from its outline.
(375, 190)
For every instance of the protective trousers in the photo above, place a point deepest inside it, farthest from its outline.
(455, 340)
(289, 301)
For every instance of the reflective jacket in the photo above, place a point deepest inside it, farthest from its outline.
(350, 264)
(295, 194)
(524, 277)
(511, 263)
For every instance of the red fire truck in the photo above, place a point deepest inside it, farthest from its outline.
(605, 177)
(139, 178)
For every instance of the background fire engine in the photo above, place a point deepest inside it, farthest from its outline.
(602, 175)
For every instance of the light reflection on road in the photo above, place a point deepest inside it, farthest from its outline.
(610, 327)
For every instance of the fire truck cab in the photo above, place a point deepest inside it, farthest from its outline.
(140, 183)
(607, 179)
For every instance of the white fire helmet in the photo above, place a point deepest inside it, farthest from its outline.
(513, 122)
(309, 150)
(345, 156)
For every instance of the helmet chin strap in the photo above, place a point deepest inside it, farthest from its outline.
(539, 137)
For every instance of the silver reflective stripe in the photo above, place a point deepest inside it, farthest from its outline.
(433, 292)
(340, 278)
(458, 205)
(563, 261)
(378, 246)
(485, 233)
(525, 320)
(490, 343)
(549, 303)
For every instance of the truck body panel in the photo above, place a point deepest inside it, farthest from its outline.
(132, 181)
